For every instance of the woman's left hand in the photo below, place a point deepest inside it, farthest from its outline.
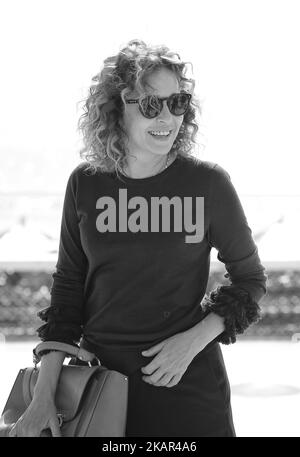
(172, 360)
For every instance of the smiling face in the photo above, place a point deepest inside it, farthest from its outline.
(162, 83)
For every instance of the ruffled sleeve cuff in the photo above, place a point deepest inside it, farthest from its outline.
(63, 325)
(236, 306)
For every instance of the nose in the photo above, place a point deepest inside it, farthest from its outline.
(165, 112)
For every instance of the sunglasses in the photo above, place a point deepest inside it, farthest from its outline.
(151, 106)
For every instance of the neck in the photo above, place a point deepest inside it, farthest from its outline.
(138, 169)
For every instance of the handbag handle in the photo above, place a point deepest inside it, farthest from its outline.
(58, 346)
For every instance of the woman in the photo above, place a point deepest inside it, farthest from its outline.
(131, 277)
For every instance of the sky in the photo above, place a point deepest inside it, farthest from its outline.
(245, 57)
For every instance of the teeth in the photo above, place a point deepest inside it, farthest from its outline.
(160, 133)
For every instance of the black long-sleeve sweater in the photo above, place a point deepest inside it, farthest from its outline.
(129, 275)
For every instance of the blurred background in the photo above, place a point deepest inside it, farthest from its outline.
(245, 57)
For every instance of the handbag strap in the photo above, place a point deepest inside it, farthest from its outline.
(58, 346)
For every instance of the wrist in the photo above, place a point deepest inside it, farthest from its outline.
(205, 331)
(45, 397)
(197, 340)
(44, 393)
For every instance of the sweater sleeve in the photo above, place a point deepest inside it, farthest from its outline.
(64, 315)
(231, 235)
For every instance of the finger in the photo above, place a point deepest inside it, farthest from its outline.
(165, 379)
(151, 368)
(13, 432)
(55, 430)
(174, 381)
(156, 377)
(154, 350)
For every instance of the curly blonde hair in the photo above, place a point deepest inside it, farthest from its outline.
(104, 138)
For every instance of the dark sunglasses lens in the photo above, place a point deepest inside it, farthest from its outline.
(179, 104)
(150, 106)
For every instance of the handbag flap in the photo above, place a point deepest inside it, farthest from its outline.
(72, 383)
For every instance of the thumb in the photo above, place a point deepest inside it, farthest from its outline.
(55, 430)
(85, 355)
(9, 430)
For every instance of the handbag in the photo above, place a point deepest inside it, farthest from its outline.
(90, 399)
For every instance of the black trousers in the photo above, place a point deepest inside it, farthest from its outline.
(198, 406)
